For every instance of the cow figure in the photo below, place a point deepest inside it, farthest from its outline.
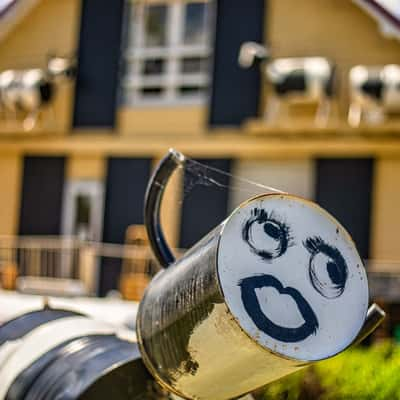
(374, 92)
(28, 91)
(307, 79)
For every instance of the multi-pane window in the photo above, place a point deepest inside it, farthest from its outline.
(167, 52)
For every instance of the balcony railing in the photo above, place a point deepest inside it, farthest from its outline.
(74, 263)
(69, 266)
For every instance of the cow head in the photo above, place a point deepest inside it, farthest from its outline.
(250, 51)
(61, 68)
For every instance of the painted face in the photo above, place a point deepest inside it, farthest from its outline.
(292, 277)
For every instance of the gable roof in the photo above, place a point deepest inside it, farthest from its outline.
(5, 5)
(12, 12)
(386, 12)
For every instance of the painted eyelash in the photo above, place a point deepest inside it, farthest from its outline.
(338, 275)
(313, 245)
(316, 245)
(261, 216)
(283, 235)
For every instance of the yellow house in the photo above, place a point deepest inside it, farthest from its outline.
(155, 74)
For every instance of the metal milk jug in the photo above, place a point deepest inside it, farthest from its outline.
(276, 286)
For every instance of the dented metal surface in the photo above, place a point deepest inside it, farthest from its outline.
(201, 340)
(276, 286)
(190, 341)
(174, 306)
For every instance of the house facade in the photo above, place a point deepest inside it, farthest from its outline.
(158, 74)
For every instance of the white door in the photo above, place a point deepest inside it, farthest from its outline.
(83, 209)
(83, 218)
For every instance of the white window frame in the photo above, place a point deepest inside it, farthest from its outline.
(172, 53)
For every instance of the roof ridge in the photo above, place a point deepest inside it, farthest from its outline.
(13, 13)
(388, 21)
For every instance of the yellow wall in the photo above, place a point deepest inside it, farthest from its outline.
(86, 167)
(337, 29)
(186, 120)
(222, 144)
(10, 178)
(51, 27)
(386, 210)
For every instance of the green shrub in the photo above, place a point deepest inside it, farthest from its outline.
(361, 373)
(288, 388)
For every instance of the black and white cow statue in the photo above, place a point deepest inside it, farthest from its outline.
(374, 93)
(306, 79)
(28, 91)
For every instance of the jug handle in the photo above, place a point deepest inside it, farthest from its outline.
(152, 206)
(375, 317)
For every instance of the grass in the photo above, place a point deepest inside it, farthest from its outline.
(362, 373)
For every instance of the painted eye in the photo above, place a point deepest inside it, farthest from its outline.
(327, 269)
(266, 235)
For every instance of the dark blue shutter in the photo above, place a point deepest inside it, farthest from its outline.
(99, 55)
(42, 192)
(235, 92)
(344, 188)
(205, 207)
(126, 184)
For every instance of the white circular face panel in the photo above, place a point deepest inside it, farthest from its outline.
(292, 277)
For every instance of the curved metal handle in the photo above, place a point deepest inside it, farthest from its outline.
(152, 206)
(375, 317)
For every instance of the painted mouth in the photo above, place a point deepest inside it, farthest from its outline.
(251, 304)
